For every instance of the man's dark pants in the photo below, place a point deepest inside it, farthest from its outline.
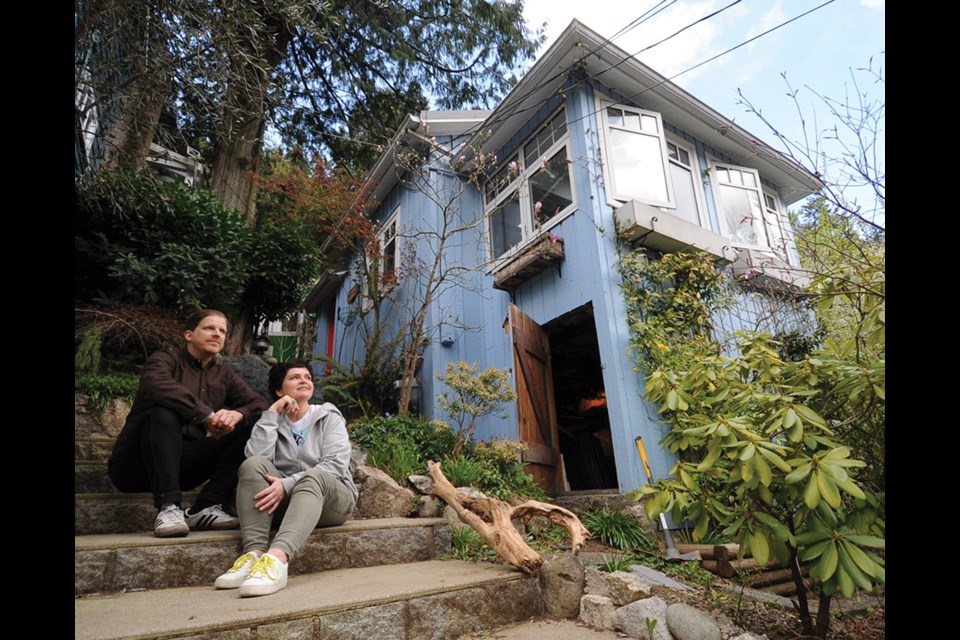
(162, 460)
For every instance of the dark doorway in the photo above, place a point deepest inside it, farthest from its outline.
(582, 420)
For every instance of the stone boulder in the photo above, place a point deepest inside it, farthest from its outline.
(632, 619)
(597, 611)
(380, 495)
(689, 623)
(561, 584)
(624, 587)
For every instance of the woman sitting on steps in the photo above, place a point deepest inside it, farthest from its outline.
(297, 473)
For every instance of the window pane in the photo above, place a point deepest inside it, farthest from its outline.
(749, 179)
(683, 190)
(742, 212)
(631, 121)
(672, 151)
(615, 117)
(505, 229)
(637, 165)
(550, 191)
(684, 157)
(650, 124)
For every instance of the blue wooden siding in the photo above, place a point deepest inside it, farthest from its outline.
(472, 316)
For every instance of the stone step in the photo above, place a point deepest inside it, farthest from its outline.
(430, 600)
(114, 562)
(91, 477)
(95, 513)
(92, 448)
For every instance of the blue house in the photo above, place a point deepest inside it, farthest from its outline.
(589, 142)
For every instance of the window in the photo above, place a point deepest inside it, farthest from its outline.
(751, 215)
(686, 181)
(387, 240)
(531, 189)
(636, 155)
(381, 256)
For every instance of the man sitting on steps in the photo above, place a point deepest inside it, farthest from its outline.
(189, 423)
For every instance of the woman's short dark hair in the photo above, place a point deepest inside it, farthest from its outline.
(194, 319)
(278, 373)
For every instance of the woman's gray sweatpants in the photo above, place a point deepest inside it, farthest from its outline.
(318, 499)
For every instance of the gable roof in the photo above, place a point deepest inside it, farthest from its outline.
(580, 49)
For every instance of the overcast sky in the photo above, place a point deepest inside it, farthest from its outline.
(817, 50)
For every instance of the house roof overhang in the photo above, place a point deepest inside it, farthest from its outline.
(580, 52)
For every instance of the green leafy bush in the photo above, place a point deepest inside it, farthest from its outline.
(503, 475)
(468, 544)
(617, 529)
(120, 337)
(432, 440)
(462, 470)
(102, 388)
(398, 457)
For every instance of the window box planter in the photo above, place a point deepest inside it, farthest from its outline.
(545, 251)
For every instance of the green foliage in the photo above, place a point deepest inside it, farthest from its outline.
(475, 394)
(120, 337)
(688, 572)
(398, 457)
(763, 462)
(670, 302)
(469, 545)
(432, 440)
(503, 475)
(617, 562)
(103, 388)
(547, 537)
(462, 470)
(143, 241)
(140, 240)
(617, 529)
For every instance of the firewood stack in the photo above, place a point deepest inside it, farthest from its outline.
(722, 560)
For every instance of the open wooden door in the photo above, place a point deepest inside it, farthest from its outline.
(536, 410)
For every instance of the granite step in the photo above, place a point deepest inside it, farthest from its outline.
(115, 512)
(92, 448)
(116, 562)
(429, 600)
(91, 477)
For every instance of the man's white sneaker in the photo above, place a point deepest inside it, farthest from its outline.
(267, 576)
(170, 523)
(236, 574)
(213, 517)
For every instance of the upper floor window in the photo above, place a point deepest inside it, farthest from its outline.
(387, 239)
(751, 215)
(636, 155)
(532, 188)
(685, 178)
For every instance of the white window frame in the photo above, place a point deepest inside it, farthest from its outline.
(766, 227)
(618, 193)
(392, 222)
(696, 176)
(496, 195)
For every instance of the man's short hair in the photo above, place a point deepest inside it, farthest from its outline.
(278, 373)
(195, 318)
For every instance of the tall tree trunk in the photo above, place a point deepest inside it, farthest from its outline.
(823, 616)
(131, 130)
(129, 75)
(244, 117)
(240, 336)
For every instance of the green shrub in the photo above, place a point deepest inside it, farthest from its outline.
(399, 458)
(468, 544)
(503, 475)
(102, 388)
(617, 529)
(462, 470)
(432, 440)
(617, 562)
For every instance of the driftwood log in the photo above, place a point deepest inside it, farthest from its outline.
(491, 518)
